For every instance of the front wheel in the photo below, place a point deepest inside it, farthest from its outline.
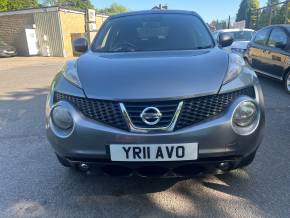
(287, 82)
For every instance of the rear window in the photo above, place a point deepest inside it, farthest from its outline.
(153, 32)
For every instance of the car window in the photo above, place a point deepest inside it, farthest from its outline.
(242, 35)
(215, 35)
(262, 37)
(277, 36)
(153, 32)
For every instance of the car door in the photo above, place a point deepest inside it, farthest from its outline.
(256, 49)
(276, 54)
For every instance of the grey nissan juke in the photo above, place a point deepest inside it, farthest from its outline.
(155, 96)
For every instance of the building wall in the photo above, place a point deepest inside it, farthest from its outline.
(100, 19)
(73, 26)
(55, 28)
(49, 34)
(12, 30)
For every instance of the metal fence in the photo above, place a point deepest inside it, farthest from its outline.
(273, 14)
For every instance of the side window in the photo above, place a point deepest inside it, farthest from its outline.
(278, 36)
(215, 36)
(262, 36)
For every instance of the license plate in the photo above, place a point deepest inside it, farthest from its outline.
(154, 152)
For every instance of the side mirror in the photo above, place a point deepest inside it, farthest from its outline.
(280, 45)
(80, 45)
(225, 40)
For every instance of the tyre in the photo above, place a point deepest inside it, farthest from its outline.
(63, 161)
(287, 82)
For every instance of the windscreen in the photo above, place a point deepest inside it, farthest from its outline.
(242, 35)
(153, 32)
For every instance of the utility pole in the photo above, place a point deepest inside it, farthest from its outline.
(229, 22)
(270, 17)
(286, 12)
(257, 20)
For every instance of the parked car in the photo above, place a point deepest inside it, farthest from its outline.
(241, 39)
(6, 50)
(269, 53)
(154, 95)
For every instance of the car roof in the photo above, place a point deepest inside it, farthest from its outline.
(287, 26)
(234, 30)
(153, 11)
(280, 25)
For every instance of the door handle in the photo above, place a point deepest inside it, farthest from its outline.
(276, 58)
(266, 51)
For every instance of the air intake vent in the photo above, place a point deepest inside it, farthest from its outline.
(107, 112)
(196, 110)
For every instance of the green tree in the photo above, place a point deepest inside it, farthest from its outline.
(73, 4)
(113, 9)
(272, 2)
(219, 24)
(277, 11)
(50, 2)
(247, 12)
(10, 5)
(242, 12)
(3, 5)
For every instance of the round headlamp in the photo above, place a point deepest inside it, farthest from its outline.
(245, 114)
(62, 118)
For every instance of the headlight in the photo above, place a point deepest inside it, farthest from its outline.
(245, 114)
(70, 73)
(236, 64)
(61, 118)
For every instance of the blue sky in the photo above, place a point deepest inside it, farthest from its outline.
(208, 9)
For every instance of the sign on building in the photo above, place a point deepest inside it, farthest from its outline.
(91, 15)
(240, 24)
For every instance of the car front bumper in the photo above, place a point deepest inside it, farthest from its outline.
(215, 138)
(8, 54)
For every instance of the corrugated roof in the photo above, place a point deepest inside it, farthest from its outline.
(41, 10)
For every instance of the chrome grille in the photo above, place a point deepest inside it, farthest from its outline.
(167, 108)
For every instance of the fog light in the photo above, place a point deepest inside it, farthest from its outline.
(83, 167)
(224, 166)
(62, 118)
(245, 114)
